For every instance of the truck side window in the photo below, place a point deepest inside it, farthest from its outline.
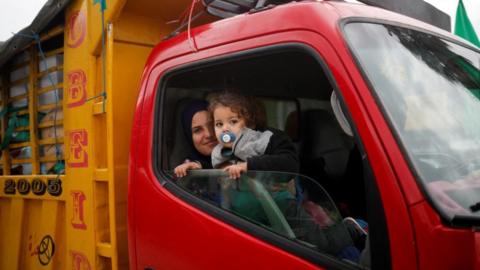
(308, 208)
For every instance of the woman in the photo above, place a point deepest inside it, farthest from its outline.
(198, 130)
(258, 147)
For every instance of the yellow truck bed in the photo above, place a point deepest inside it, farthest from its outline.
(64, 168)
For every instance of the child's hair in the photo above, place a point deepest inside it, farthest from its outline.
(247, 107)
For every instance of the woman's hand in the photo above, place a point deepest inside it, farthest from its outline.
(236, 170)
(181, 170)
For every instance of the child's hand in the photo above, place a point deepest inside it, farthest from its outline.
(235, 170)
(181, 170)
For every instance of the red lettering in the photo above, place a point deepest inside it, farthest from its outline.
(77, 88)
(78, 148)
(80, 261)
(78, 221)
(76, 29)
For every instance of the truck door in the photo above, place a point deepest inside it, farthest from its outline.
(194, 222)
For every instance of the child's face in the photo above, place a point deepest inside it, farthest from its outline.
(226, 120)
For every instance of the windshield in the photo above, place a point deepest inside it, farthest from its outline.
(429, 89)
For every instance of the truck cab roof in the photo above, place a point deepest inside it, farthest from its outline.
(322, 17)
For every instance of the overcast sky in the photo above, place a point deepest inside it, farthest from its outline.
(450, 7)
(17, 14)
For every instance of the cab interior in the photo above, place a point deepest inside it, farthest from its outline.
(296, 92)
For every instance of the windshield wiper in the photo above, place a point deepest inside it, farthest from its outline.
(465, 221)
(475, 207)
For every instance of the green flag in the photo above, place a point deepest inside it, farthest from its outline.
(463, 26)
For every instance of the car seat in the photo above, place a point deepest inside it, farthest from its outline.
(324, 144)
(329, 156)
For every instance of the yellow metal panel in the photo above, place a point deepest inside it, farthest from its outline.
(101, 174)
(98, 108)
(5, 208)
(13, 223)
(56, 226)
(127, 62)
(141, 30)
(41, 245)
(110, 185)
(79, 82)
(113, 10)
(104, 249)
(164, 10)
(33, 233)
(87, 221)
(100, 138)
(32, 207)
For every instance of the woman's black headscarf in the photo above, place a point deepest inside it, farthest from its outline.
(194, 106)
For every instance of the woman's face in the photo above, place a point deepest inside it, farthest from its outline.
(203, 135)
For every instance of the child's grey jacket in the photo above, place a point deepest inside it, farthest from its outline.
(250, 143)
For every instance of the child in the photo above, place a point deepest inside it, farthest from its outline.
(244, 143)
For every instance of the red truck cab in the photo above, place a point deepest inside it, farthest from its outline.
(383, 110)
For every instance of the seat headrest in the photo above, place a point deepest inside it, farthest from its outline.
(324, 140)
(322, 132)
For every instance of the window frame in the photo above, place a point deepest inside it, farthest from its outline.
(254, 230)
